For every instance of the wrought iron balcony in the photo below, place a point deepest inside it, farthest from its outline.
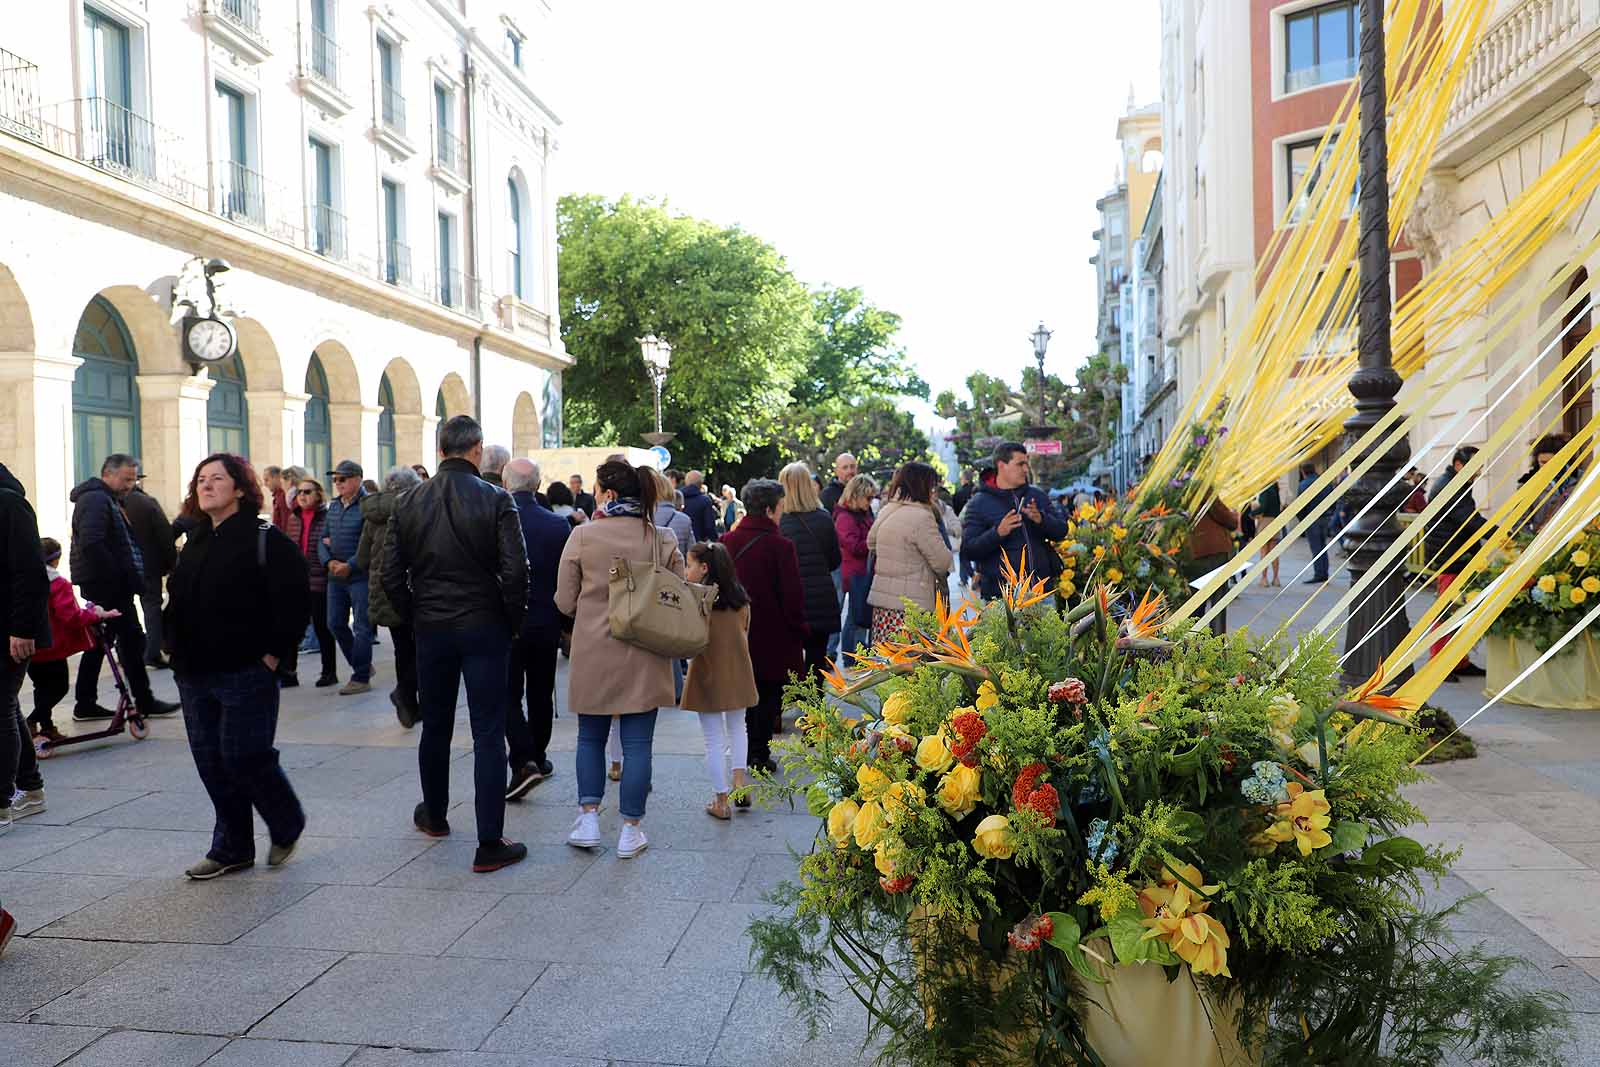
(394, 108)
(241, 194)
(326, 235)
(118, 141)
(449, 153)
(396, 265)
(325, 56)
(19, 96)
(457, 291)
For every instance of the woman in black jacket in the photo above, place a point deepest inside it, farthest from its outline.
(231, 618)
(816, 542)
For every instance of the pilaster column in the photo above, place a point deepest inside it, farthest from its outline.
(292, 420)
(410, 437)
(430, 442)
(36, 435)
(264, 417)
(172, 414)
(355, 434)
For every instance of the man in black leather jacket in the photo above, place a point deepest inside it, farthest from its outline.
(456, 569)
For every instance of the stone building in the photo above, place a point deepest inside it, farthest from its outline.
(377, 180)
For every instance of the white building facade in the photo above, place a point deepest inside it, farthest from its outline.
(377, 180)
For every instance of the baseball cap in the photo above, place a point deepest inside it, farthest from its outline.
(347, 468)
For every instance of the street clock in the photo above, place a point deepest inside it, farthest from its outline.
(209, 340)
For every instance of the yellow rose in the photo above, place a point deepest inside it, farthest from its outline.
(840, 819)
(1067, 589)
(994, 839)
(1591, 584)
(900, 798)
(1113, 575)
(1580, 558)
(1548, 583)
(1578, 596)
(897, 707)
(958, 791)
(868, 824)
(872, 782)
(882, 861)
(933, 754)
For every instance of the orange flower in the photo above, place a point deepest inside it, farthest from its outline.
(1147, 617)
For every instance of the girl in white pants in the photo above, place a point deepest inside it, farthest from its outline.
(721, 682)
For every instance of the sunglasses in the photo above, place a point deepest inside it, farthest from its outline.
(305, 492)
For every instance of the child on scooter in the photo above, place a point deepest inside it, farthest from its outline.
(69, 634)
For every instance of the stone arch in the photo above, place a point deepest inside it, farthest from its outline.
(154, 336)
(453, 398)
(342, 413)
(404, 418)
(16, 316)
(525, 431)
(107, 415)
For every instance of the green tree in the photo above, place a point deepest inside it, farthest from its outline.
(739, 322)
(853, 354)
(877, 432)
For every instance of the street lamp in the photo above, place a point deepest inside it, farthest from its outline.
(1041, 341)
(657, 358)
(1377, 622)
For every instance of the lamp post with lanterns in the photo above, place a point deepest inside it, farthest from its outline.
(1041, 341)
(657, 358)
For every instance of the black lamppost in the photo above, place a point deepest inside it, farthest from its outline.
(657, 358)
(1377, 622)
(1041, 341)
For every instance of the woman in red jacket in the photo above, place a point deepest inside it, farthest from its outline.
(69, 635)
(852, 520)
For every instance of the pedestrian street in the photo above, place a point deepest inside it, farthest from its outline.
(376, 944)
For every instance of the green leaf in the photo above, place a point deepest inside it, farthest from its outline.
(818, 803)
(1363, 711)
(1128, 942)
(1068, 938)
(1185, 762)
(1348, 836)
(1399, 851)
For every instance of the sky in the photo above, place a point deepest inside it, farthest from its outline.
(944, 157)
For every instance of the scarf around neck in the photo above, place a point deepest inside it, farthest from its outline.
(623, 506)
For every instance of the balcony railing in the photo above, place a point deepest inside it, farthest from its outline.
(457, 291)
(519, 316)
(241, 194)
(396, 265)
(1520, 43)
(325, 55)
(327, 232)
(1331, 71)
(19, 96)
(121, 142)
(245, 14)
(394, 109)
(449, 153)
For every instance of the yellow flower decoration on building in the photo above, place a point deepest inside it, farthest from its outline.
(867, 826)
(958, 791)
(933, 753)
(871, 781)
(994, 839)
(841, 820)
(1304, 820)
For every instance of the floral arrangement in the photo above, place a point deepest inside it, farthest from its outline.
(1556, 598)
(1135, 551)
(1021, 808)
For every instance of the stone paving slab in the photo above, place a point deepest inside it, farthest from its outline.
(178, 910)
(755, 1034)
(134, 853)
(140, 1048)
(165, 810)
(40, 969)
(578, 929)
(34, 1045)
(194, 989)
(1489, 845)
(397, 1057)
(671, 875)
(374, 919)
(251, 1052)
(66, 804)
(625, 1013)
(36, 900)
(343, 860)
(448, 865)
(715, 939)
(423, 1002)
(27, 841)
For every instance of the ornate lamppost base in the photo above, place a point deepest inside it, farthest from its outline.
(657, 438)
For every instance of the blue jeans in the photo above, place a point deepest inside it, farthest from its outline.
(1317, 540)
(638, 734)
(835, 638)
(445, 659)
(232, 719)
(346, 599)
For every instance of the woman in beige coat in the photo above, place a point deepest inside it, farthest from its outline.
(913, 553)
(611, 677)
(722, 680)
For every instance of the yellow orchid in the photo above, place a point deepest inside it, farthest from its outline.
(988, 696)
(1303, 820)
(1175, 915)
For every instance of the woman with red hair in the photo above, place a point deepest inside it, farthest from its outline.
(231, 618)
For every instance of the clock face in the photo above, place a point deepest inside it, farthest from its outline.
(210, 340)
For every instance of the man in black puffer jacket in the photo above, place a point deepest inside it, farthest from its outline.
(700, 508)
(108, 566)
(455, 567)
(816, 543)
(1010, 518)
(25, 606)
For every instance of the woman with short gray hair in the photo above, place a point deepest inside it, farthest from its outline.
(377, 509)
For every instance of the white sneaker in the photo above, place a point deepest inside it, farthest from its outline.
(585, 830)
(27, 802)
(632, 842)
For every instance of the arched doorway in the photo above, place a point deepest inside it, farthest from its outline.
(524, 426)
(227, 418)
(319, 425)
(387, 454)
(105, 397)
(1577, 392)
(453, 398)
(552, 411)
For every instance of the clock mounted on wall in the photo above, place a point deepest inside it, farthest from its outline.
(208, 340)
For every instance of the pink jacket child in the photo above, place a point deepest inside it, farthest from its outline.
(69, 635)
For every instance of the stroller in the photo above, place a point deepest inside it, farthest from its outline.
(125, 717)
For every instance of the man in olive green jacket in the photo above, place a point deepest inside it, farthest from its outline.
(377, 508)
